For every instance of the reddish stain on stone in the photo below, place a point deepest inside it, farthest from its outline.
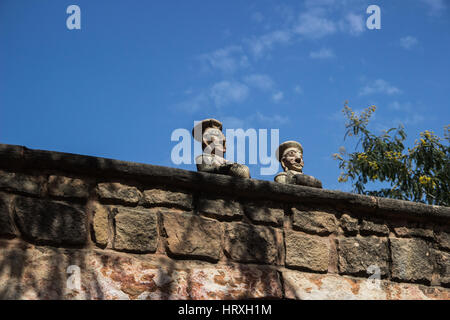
(354, 284)
(148, 277)
(317, 280)
(220, 278)
(387, 291)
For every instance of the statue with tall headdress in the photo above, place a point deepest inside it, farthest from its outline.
(209, 133)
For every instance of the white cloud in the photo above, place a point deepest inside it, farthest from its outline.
(259, 81)
(397, 106)
(227, 60)
(318, 3)
(233, 122)
(265, 42)
(196, 103)
(314, 25)
(379, 86)
(408, 42)
(226, 92)
(435, 6)
(273, 119)
(353, 23)
(411, 119)
(254, 120)
(323, 53)
(277, 96)
(320, 18)
(298, 89)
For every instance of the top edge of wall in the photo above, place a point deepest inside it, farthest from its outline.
(15, 157)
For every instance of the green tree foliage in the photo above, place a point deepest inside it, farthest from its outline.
(420, 174)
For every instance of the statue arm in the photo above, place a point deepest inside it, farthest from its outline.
(281, 178)
(306, 180)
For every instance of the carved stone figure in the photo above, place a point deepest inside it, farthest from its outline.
(290, 155)
(209, 133)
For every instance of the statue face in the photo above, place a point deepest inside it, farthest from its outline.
(214, 142)
(292, 160)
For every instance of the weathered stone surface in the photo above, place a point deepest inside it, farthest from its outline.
(414, 232)
(408, 221)
(307, 251)
(100, 224)
(349, 224)
(52, 222)
(265, 212)
(30, 272)
(192, 236)
(220, 208)
(252, 244)
(119, 192)
(206, 182)
(304, 286)
(41, 273)
(7, 227)
(412, 209)
(136, 229)
(160, 197)
(376, 228)
(356, 255)
(443, 262)
(61, 186)
(11, 155)
(443, 238)
(314, 221)
(20, 182)
(411, 260)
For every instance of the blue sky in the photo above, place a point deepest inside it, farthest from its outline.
(137, 70)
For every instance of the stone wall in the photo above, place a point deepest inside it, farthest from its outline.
(139, 231)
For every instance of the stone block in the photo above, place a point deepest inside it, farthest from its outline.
(100, 224)
(119, 193)
(443, 264)
(60, 186)
(349, 224)
(136, 230)
(192, 236)
(411, 260)
(307, 252)
(51, 222)
(443, 239)
(7, 227)
(414, 232)
(265, 213)
(369, 227)
(158, 197)
(20, 182)
(225, 209)
(318, 222)
(356, 255)
(252, 244)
